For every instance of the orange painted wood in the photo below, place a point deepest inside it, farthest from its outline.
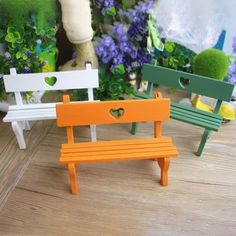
(122, 143)
(92, 113)
(119, 157)
(73, 178)
(97, 113)
(164, 165)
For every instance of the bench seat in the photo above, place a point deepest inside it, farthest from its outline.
(118, 150)
(192, 116)
(31, 112)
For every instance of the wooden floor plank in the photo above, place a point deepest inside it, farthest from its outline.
(13, 161)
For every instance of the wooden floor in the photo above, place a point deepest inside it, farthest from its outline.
(119, 198)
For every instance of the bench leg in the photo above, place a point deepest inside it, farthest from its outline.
(205, 136)
(164, 165)
(93, 133)
(18, 130)
(73, 178)
(27, 125)
(134, 128)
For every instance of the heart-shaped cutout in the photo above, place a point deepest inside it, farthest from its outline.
(117, 113)
(184, 82)
(51, 81)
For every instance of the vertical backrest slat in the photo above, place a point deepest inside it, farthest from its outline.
(90, 90)
(217, 106)
(157, 124)
(19, 100)
(110, 112)
(69, 129)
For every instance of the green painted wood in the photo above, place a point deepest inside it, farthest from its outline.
(194, 110)
(217, 107)
(195, 122)
(205, 136)
(188, 82)
(134, 128)
(197, 117)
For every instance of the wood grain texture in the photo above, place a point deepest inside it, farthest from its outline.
(123, 198)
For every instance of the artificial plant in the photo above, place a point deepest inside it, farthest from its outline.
(232, 67)
(175, 56)
(126, 37)
(26, 32)
(212, 63)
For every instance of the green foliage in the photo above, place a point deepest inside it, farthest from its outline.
(111, 87)
(176, 56)
(22, 24)
(212, 63)
(17, 12)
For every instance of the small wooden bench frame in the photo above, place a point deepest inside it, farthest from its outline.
(220, 90)
(110, 112)
(20, 114)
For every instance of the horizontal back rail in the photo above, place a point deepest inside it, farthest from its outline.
(189, 82)
(110, 112)
(78, 79)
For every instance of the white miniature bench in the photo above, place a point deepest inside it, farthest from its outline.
(20, 114)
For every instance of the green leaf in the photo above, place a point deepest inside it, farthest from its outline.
(170, 47)
(24, 57)
(119, 70)
(10, 29)
(18, 55)
(110, 11)
(126, 4)
(10, 38)
(149, 42)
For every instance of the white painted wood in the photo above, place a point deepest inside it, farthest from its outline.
(19, 100)
(65, 80)
(91, 98)
(17, 129)
(21, 113)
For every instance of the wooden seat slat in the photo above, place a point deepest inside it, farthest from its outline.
(114, 147)
(32, 106)
(195, 118)
(117, 143)
(139, 151)
(196, 122)
(120, 157)
(184, 107)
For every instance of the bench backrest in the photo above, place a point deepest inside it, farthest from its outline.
(77, 79)
(111, 112)
(188, 82)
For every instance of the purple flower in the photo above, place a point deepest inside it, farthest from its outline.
(234, 45)
(27, 53)
(232, 72)
(106, 49)
(104, 5)
(120, 33)
(26, 70)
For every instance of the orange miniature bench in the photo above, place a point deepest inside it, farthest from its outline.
(111, 112)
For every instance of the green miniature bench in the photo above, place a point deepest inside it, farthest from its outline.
(220, 90)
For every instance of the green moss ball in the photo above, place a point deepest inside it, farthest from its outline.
(211, 63)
